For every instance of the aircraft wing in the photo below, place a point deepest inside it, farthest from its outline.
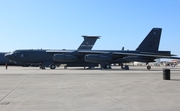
(79, 51)
(144, 54)
(59, 51)
(151, 53)
(147, 55)
(93, 52)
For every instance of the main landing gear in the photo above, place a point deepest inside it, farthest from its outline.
(126, 67)
(42, 66)
(52, 66)
(106, 66)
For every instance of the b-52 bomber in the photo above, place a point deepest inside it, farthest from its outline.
(53, 58)
(146, 52)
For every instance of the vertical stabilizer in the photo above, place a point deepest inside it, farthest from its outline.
(151, 42)
(88, 42)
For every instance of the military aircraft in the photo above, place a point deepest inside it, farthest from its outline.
(146, 52)
(51, 57)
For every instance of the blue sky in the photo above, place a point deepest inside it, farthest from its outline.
(59, 24)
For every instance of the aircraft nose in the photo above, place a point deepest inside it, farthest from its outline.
(8, 56)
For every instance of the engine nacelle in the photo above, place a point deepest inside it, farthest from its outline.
(96, 58)
(64, 57)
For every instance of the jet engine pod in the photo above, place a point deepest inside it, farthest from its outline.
(64, 57)
(96, 58)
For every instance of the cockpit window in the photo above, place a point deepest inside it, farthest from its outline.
(12, 52)
(16, 53)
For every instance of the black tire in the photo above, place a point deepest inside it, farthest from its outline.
(148, 67)
(126, 67)
(52, 66)
(107, 66)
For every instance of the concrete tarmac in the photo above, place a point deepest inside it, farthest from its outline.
(76, 89)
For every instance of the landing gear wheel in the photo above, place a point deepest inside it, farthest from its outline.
(107, 66)
(42, 67)
(53, 66)
(126, 67)
(90, 67)
(148, 67)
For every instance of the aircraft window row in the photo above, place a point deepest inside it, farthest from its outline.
(22, 55)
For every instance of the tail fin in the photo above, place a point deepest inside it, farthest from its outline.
(151, 42)
(88, 42)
